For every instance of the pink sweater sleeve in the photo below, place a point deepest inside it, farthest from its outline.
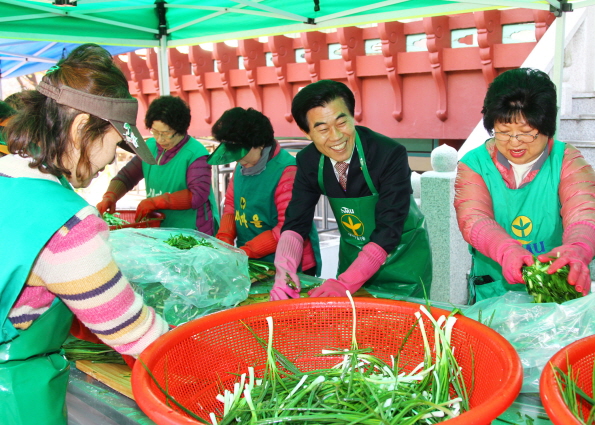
(475, 214)
(577, 189)
(77, 266)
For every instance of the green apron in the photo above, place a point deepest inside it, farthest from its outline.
(256, 211)
(530, 215)
(33, 373)
(408, 268)
(171, 177)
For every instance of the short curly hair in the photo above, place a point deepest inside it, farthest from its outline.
(170, 110)
(521, 93)
(319, 94)
(246, 127)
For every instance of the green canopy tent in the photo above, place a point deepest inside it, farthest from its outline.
(172, 23)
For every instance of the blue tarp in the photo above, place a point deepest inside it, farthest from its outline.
(19, 57)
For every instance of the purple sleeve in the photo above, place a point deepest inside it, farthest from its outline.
(198, 178)
(131, 173)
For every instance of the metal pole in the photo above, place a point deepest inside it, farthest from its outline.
(559, 64)
(163, 67)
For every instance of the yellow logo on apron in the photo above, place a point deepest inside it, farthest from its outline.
(352, 224)
(521, 227)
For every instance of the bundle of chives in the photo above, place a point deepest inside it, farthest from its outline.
(574, 397)
(360, 389)
(548, 288)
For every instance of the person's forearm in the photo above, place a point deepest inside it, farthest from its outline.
(77, 266)
(131, 174)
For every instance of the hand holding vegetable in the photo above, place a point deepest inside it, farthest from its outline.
(576, 255)
(512, 259)
(108, 204)
(287, 259)
(367, 263)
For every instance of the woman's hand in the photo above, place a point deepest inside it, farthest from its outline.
(577, 258)
(512, 259)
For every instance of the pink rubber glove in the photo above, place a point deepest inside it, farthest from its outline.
(367, 263)
(578, 256)
(287, 259)
(512, 259)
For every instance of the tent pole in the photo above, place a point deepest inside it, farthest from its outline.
(163, 67)
(559, 64)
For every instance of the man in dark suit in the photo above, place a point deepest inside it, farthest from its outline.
(367, 179)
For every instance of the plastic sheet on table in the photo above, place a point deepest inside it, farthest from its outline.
(536, 331)
(181, 284)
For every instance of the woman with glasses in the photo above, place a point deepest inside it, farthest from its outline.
(179, 185)
(523, 194)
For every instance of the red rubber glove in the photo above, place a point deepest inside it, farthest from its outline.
(512, 259)
(261, 245)
(108, 203)
(578, 256)
(227, 229)
(367, 263)
(115, 191)
(180, 200)
(287, 259)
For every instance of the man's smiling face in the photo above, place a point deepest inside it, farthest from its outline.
(332, 129)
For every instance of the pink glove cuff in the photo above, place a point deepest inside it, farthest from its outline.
(489, 238)
(287, 259)
(367, 263)
(583, 233)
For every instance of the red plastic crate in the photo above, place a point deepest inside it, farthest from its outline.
(154, 220)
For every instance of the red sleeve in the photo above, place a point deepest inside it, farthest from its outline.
(229, 207)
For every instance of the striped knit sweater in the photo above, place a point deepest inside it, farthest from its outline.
(77, 266)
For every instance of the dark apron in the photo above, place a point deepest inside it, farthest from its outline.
(408, 268)
(33, 373)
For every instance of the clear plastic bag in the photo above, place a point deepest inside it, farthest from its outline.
(536, 331)
(181, 284)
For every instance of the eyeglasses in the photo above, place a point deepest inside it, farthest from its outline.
(521, 138)
(165, 134)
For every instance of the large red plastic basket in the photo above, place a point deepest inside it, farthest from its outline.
(154, 219)
(196, 359)
(580, 355)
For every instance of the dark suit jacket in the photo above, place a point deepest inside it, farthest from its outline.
(389, 169)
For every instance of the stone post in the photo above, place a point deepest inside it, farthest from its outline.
(451, 260)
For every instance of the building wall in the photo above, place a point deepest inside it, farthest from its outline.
(434, 93)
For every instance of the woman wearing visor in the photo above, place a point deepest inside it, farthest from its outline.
(179, 185)
(522, 193)
(56, 259)
(260, 190)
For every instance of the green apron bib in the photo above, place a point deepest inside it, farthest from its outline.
(256, 211)
(408, 268)
(171, 177)
(530, 215)
(33, 373)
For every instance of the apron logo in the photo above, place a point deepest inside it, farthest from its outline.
(522, 226)
(352, 224)
(242, 202)
(346, 210)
